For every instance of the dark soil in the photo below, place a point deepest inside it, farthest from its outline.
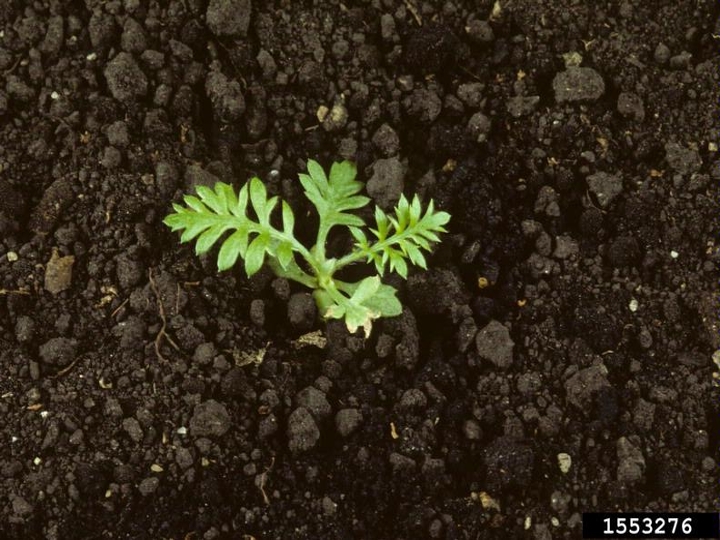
(570, 311)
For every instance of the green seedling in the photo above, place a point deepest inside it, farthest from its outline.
(397, 238)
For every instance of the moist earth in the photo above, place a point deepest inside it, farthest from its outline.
(558, 356)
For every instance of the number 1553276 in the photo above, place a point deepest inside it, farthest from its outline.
(646, 525)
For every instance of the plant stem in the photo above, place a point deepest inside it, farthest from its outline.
(294, 272)
(333, 292)
(323, 231)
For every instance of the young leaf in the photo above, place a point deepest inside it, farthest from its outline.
(258, 198)
(284, 254)
(416, 256)
(369, 300)
(207, 239)
(234, 246)
(397, 263)
(214, 212)
(256, 254)
(358, 235)
(288, 218)
(213, 200)
(385, 302)
(365, 289)
(402, 235)
(335, 196)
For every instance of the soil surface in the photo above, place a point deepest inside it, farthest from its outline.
(556, 358)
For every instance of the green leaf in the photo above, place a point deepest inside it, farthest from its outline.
(415, 211)
(258, 197)
(358, 235)
(288, 218)
(369, 299)
(385, 302)
(207, 239)
(317, 174)
(212, 199)
(383, 224)
(397, 263)
(334, 197)
(194, 203)
(311, 190)
(359, 316)
(365, 289)
(240, 209)
(403, 214)
(336, 311)
(415, 255)
(342, 175)
(214, 212)
(285, 254)
(379, 261)
(403, 235)
(232, 248)
(193, 228)
(256, 254)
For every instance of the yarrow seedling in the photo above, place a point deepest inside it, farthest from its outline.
(397, 237)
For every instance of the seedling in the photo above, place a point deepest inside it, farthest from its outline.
(397, 238)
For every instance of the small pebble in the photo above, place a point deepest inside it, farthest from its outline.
(564, 462)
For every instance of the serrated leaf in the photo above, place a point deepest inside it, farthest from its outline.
(288, 218)
(348, 220)
(379, 264)
(194, 203)
(403, 214)
(227, 194)
(369, 300)
(258, 197)
(342, 175)
(311, 189)
(403, 235)
(422, 243)
(284, 254)
(317, 174)
(207, 239)
(193, 228)
(358, 235)
(398, 264)
(415, 211)
(365, 289)
(395, 225)
(415, 255)
(381, 220)
(440, 219)
(213, 212)
(335, 311)
(430, 235)
(255, 255)
(270, 205)
(240, 209)
(174, 221)
(385, 301)
(354, 202)
(360, 316)
(334, 197)
(211, 199)
(235, 246)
